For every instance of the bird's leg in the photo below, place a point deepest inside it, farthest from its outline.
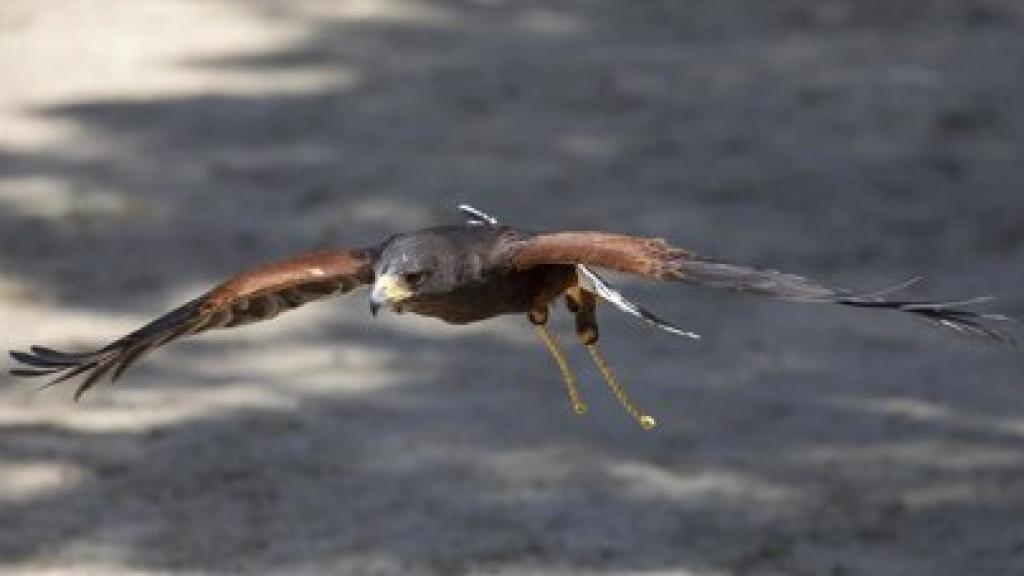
(583, 304)
(539, 318)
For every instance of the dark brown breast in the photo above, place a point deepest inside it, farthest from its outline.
(515, 292)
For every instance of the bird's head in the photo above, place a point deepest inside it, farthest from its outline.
(410, 268)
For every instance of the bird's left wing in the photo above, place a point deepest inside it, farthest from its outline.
(259, 294)
(593, 282)
(655, 259)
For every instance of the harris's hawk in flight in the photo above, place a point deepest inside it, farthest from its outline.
(467, 273)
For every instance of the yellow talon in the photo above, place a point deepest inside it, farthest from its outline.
(575, 400)
(578, 406)
(646, 422)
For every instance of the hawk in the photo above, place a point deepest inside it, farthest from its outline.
(467, 273)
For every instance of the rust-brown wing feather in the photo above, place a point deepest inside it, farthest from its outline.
(656, 259)
(649, 257)
(256, 295)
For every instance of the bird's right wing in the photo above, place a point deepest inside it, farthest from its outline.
(253, 296)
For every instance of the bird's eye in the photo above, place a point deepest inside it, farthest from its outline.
(414, 278)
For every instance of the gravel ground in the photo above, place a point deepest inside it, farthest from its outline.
(148, 149)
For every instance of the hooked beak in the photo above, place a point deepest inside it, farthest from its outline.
(388, 290)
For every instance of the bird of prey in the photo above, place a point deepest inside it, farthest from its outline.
(467, 273)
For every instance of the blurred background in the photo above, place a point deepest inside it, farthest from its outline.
(149, 149)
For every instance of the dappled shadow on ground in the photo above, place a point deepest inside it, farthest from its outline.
(860, 141)
(442, 468)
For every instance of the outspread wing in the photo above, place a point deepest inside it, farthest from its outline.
(656, 259)
(259, 294)
(593, 282)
